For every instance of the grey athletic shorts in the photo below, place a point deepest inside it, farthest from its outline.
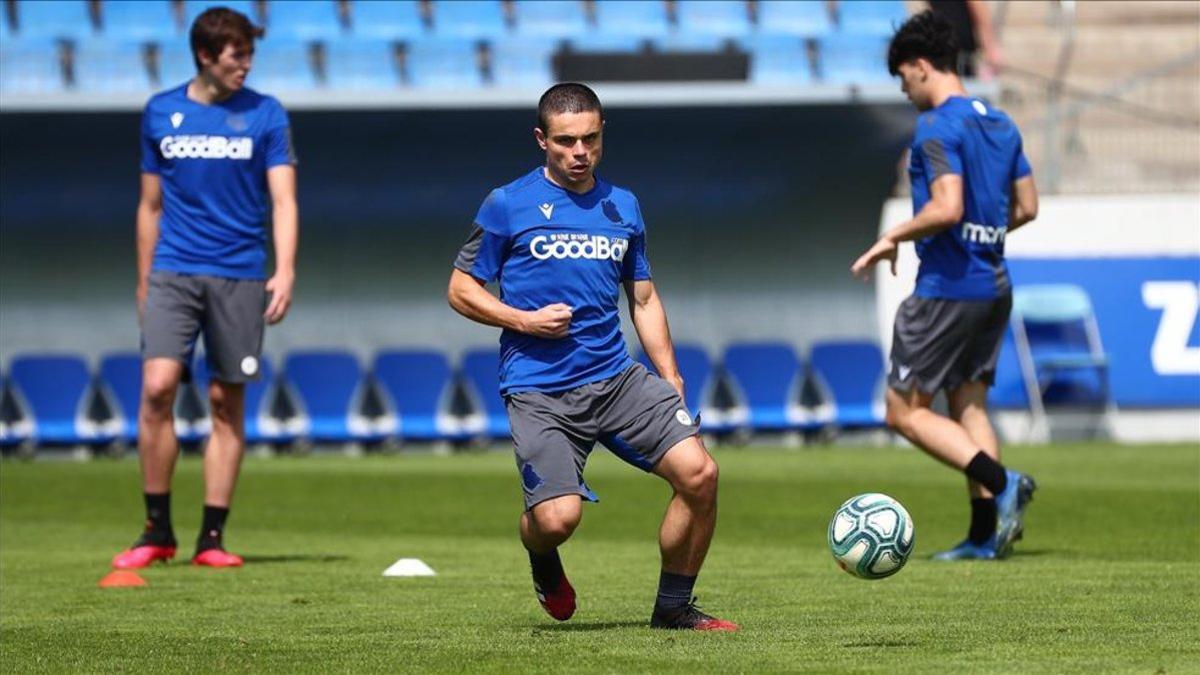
(228, 311)
(636, 415)
(942, 344)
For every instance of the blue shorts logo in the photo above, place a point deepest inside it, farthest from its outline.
(530, 477)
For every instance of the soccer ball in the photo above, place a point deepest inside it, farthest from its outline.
(871, 536)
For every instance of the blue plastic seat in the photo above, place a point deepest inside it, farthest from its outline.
(481, 371)
(778, 60)
(55, 19)
(418, 384)
(807, 18)
(634, 18)
(474, 19)
(328, 387)
(767, 378)
(145, 21)
(522, 63)
(727, 18)
(852, 372)
(175, 64)
(690, 42)
(30, 66)
(304, 19)
(591, 43)
(852, 59)
(361, 63)
(699, 381)
(871, 17)
(121, 379)
(107, 66)
(261, 426)
(443, 63)
(54, 390)
(549, 19)
(282, 65)
(395, 20)
(193, 9)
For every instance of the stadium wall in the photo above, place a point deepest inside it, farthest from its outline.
(754, 214)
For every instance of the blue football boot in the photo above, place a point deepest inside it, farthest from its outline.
(1010, 511)
(966, 550)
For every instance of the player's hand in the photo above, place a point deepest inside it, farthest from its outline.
(280, 288)
(551, 321)
(884, 249)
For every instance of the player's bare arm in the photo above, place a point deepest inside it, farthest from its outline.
(945, 209)
(1024, 205)
(281, 182)
(148, 212)
(469, 297)
(650, 321)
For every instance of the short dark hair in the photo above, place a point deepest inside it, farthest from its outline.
(219, 26)
(926, 36)
(567, 97)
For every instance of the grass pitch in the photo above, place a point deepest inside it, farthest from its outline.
(1107, 578)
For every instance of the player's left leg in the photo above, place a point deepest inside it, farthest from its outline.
(968, 407)
(222, 462)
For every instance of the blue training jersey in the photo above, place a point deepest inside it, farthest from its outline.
(546, 245)
(969, 138)
(213, 161)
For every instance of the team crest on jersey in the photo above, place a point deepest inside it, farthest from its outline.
(610, 211)
(176, 120)
(546, 208)
(237, 122)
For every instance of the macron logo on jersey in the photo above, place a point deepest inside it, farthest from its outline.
(202, 146)
(982, 234)
(578, 246)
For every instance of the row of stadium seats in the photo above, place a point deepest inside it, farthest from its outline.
(106, 66)
(480, 19)
(416, 396)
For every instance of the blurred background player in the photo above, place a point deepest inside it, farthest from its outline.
(971, 186)
(213, 152)
(562, 243)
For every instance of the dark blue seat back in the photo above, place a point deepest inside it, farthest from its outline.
(326, 383)
(481, 370)
(852, 370)
(766, 374)
(54, 388)
(695, 367)
(417, 382)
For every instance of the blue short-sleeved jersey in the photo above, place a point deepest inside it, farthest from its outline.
(969, 138)
(213, 161)
(546, 245)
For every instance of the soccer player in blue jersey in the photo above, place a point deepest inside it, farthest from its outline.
(971, 187)
(215, 155)
(562, 242)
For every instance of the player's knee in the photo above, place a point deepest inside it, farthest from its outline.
(225, 406)
(700, 484)
(556, 524)
(898, 418)
(158, 396)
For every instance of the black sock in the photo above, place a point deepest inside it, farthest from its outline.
(211, 527)
(983, 520)
(987, 472)
(158, 519)
(674, 590)
(547, 569)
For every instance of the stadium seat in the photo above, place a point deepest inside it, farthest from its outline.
(699, 381)
(54, 391)
(550, 19)
(307, 20)
(15, 428)
(852, 373)
(871, 17)
(418, 385)
(593, 43)
(260, 424)
(361, 63)
(395, 20)
(282, 65)
(107, 66)
(726, 18)
(143, 21)
(852, 59)
(121, 384)
(193, 9)
(328, 386)
(54, 19)
(690, 42)
(175, 64)
(474, 19)
(633, 19)
(778, 60)
(443, 63)
(802, 19)
(767, 378)
(522, 62)
(481, 372)
(30, 66)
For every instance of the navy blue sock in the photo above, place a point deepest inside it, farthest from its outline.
(987, 472)
(547, 569)
(983, 520)
(212, 527)
(674, 590)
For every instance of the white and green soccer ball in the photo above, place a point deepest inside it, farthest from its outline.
(871, 536)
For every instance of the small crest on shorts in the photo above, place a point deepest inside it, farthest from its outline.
(250, 366)
(176, 120)
(903, 372)
(683, 417)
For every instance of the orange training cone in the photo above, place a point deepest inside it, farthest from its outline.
(121, 579)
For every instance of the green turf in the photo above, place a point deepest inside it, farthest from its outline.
(1107, 579)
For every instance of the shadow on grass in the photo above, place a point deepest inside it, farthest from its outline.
(592, 626)
(260, 559)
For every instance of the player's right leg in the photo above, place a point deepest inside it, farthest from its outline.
(544, 528)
